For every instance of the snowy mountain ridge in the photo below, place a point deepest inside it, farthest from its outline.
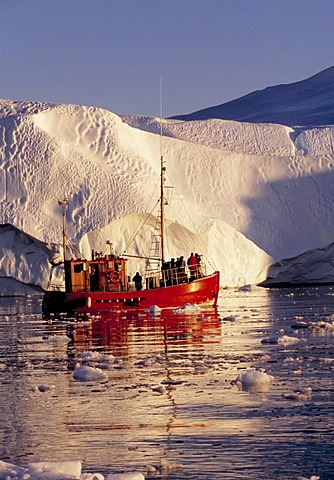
(253, 193)
(309, 102)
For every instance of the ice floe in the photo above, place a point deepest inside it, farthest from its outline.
(254, 380)
(85, 373)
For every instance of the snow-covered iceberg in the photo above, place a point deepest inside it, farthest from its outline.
(241, 190)
(313, 267)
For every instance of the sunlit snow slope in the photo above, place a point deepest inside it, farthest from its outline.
(245, 195)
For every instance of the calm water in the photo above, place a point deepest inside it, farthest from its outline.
(202, 421)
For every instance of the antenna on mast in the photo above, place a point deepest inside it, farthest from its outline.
(161, 117)
(162, 182)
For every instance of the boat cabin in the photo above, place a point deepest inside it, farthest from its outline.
(101, 274)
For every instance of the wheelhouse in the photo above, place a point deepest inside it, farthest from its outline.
(101, 274)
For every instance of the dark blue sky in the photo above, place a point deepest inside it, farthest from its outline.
(112, 53)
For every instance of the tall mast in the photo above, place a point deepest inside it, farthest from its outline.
(162, 182)
(64, 204)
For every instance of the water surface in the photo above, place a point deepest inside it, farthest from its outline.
(170, 389)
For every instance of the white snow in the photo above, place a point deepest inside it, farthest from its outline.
(254, 194)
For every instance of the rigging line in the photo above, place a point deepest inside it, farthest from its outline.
(199, 242)
(140, 222)
(74, 248)
(210, 259)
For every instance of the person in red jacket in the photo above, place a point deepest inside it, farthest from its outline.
(192, 264)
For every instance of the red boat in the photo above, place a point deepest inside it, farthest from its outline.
(102, 283)
(96, 286)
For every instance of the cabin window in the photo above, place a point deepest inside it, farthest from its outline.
(78, 267)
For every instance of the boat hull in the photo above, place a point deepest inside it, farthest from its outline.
(199, 291)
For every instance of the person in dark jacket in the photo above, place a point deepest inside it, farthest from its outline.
(137, 279)
(199, 268)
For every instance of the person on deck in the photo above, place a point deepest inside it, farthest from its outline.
(181, 270)
(199, 268)
(173, 271)
(192, 264)
(137, 279)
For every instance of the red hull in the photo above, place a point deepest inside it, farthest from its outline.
(202, 290)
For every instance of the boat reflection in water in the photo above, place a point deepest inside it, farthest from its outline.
(125, 334)
(153, 359)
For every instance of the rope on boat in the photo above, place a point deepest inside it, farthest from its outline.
(202, 246)
(140, 224)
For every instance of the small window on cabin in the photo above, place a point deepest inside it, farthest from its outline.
(78, 267)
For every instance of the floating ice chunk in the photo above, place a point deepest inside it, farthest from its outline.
(322, 327)
(125, 476)
(166, 465)
(160, 389)
(45, 388)
(95, 357)
(265, 358)
(85, 373)
(89, 356)
(57, 339)
(66, 470)
(287, 339)
(293, 360)
(284, 339)
(253, 377)
(54, 470)
(201, 368)
(164, 468)
(300, 394)
(92, 476)
(188, 308)
(151, 471)
(313, 477)
(255, 380)
(154, 310)
(8, 470)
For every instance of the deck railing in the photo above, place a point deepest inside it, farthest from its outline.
(152, 279)
(172, 276)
